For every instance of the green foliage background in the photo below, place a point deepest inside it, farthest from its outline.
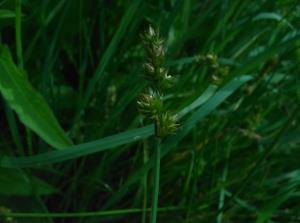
(74, 148)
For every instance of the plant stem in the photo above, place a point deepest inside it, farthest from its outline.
(19, 51)
(86, 214)
(156, 181)
(18, 30)
(145, 182)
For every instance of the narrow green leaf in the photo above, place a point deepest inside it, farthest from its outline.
(271, 16)
(211, 89)
(78, 150)
(215, 101)
(108, 54)
(190, 123)
(29, 105)
(253, 62)
(113, 141)
(268, 15)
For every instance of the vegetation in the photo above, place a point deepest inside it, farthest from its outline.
(196, 120)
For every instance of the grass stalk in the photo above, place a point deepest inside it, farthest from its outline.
(9, 113)
(156, 181)
(18, 29)
(19, 51)
(87, 214)
(145, 182)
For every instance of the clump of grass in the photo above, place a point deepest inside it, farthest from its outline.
(76, 68)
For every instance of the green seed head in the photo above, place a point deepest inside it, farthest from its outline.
(166, 124)
(150, 104)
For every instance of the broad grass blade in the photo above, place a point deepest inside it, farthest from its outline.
(29, 105)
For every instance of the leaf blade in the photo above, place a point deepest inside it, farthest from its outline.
(78, 150)
(29, 105)
(128, 136)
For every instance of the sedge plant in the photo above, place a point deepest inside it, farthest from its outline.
(150, 103)
(73, 72)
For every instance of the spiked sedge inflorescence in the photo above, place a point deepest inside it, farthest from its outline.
(218, 71)
(150, 103)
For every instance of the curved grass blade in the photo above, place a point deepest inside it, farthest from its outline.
(272, 16)
(108, 54)
(190, 123)
(29, 105)
(199, 101)
(289, 41)
(78, 150)
(128, 136)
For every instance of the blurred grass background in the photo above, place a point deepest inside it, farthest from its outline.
(238, 164)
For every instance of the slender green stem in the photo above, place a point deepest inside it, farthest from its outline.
(19, 51)
(262, 158)
(223, 179)
(86, 214)
(10, 115)
(145, 182)
(18, 28)
(156, 181)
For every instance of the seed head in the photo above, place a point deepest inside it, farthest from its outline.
(166, 124)
(150, 104)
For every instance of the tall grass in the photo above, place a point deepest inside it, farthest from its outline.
(74, 147)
